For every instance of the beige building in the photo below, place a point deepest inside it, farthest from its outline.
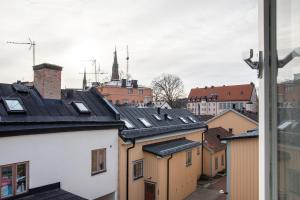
(235, 121)
(242, 166)
(159, 154)
(214, 152)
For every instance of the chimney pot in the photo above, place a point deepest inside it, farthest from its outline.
(166, 116)
(47, 80)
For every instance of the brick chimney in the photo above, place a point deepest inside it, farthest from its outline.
(47, 80)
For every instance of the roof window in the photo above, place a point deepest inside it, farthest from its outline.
(183, 120)
(128, 124)
(169, 117)
(13, 105)
(157, 117)
(192, 119)
(81, 107)
(145, 122)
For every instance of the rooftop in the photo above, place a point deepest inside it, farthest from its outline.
(249, 134)
(213, 136)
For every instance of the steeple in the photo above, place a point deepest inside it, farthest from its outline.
(115, 68)
(84, 82)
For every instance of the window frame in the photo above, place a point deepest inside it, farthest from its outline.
(145, 122)
(88, 111)
(4, 99)
(14, 178)
(135, 162)
(157, 117)
(182, 119)
(93, 173)
(126, 121)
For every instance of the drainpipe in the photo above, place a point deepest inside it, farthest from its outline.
(202, 148)
(127, 169)
(168, 176)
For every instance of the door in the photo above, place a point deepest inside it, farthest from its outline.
(149, 191)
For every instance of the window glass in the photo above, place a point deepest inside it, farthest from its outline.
(21, 178)
(157, 117)
(6, 181)
(183, 120)
(81, 107)
(98, 161)
(128, 124)
(145, 122)
(14, 105)
(222, 160)
(192, 119)
(288, 100)
(188, 158)
(216, 163)
(137, 169)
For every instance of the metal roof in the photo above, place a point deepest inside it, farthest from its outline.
(132, 114)
(169, 147)
(249, 134)
(51, 113)
(54, 194)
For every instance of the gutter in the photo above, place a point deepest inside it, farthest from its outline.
(168, 176)
(127, 169)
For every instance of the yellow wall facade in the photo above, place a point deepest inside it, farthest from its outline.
(238, 123)
(183, 179)
(243, 169)
(209, 166)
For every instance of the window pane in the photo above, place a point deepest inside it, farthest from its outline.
(14, 105)
(288, 97)
(94, 161)
(6, 181)
(21, 178)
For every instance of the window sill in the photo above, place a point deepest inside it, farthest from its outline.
(138, 178)
(100, 172)
(187, 165)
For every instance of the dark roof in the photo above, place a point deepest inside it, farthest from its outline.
(158, 126)
(54, 194)
(249, 134)
(50, 114)
(213, 136)
(251, 115)
(205, 117)
(169, 147)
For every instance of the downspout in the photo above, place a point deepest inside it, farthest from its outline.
(127, 169)
(202, 148)
(168, 177)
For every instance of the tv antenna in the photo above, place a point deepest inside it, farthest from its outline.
(32, 45)
(96, 71)
(127, 68)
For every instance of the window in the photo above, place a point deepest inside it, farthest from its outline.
(128, 124)
(13, 179)
(157, 117)
(13, 105)
(188, 158)
(222, 160)
(192, 119)
(169, 117)
(81, 107)
(216, 163)
(141, 92)
(130, 91)
(138, 169)
(183, 120)
(98, 161)
(145, 122)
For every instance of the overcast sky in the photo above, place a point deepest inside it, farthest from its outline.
(199, 40)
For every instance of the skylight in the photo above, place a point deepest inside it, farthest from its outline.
(169, 117)
(157, 117)
(14, 105)
(192, 119)
(128, 124)
(145, 122)
(81, 107)
(183, 120)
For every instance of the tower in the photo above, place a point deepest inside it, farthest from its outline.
(84, 82)
(115, 68)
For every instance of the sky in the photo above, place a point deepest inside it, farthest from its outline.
(200, 41)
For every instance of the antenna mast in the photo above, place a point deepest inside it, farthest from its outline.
(127, 68)
(32, 45)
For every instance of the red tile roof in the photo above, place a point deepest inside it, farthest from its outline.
(211, 138)
(224, 93)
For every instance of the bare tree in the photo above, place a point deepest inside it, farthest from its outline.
(169, 88)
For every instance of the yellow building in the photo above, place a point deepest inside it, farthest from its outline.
(242, 166)
(159, 153)
(214, 152)
(235, 121)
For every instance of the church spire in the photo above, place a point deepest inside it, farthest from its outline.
(84, 82)
(115, 68)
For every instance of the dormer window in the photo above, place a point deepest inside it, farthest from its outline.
(192, 119)
(183, 120)
(81, 107)
(128, 124)
(157, 117)
(13, 105)
(145, 122)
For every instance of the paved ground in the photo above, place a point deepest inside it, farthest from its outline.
(209, 190)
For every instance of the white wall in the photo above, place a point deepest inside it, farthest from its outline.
(65, 158)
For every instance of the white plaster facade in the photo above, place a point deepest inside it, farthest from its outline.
(66, 158)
